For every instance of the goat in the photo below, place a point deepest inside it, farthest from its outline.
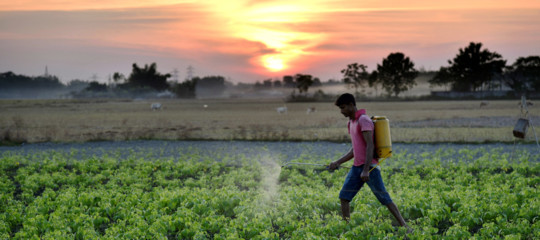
(281, 110)
(155, 106)
(311, 110)
(484, 104)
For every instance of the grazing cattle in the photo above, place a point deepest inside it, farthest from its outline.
(281, 110)
(310, 110)
(155, 106)
(484, 104)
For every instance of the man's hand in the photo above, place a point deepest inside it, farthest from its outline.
(365, 175)
(333, 166)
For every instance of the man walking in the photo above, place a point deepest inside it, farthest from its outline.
(361, 130)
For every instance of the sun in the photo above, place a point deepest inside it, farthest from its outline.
(273, 63)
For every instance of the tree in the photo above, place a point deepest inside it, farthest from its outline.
(373, 81)
(441, 78)
(267, 83)
(317, 82)
(210, 86)
(77, 85)
(117, 77)
(355, 75)
(397, 73)
(148, 77)
(524, 74)
(186, 89)
(277, 83)
(288, 81)
(471, 69)
(258, 85)
(95, 86)
(303, 82)
(10, 80)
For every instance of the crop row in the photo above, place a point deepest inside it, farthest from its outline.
(239, 197)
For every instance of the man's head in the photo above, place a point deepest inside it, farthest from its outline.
(347, 105)
(345, 98)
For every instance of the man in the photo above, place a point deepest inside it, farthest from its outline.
(361, 130)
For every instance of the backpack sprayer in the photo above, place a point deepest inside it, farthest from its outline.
(382, 142)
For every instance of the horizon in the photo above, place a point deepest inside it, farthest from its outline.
(250, 41)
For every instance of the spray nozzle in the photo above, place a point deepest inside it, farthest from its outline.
(326, 166)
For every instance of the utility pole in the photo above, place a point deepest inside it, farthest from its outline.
(189, 72)
(175, 75)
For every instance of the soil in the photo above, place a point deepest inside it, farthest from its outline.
(281, 151)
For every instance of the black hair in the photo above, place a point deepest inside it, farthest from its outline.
(345, 98)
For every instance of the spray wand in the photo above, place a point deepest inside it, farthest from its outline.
(309, 164)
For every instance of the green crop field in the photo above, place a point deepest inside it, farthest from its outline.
(482, 194)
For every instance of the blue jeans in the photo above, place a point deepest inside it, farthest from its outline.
(353, 184)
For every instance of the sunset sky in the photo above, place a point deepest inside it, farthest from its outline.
(248, 41)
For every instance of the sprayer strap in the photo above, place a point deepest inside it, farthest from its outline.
(380, 161)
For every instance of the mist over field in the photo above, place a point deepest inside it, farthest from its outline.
(422, 88)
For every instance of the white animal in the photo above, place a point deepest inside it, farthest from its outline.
(155, 106)
(529, 103)
(205, 106)
(281, 110)
(311, 110)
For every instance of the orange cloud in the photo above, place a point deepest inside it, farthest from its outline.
(276, 6)
(267, 38)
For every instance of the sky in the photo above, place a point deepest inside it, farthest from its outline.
(249, 41)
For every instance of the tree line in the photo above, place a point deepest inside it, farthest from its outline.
(10, 80)
(472, 69)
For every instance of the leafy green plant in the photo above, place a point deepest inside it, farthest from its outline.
(50, 195)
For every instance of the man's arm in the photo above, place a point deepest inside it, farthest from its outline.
(370, 147)
(348, 156)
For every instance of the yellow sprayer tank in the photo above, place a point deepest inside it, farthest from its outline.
(383, 141)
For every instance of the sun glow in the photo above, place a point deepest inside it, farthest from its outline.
(250, 40)
(273, 63)
(281, 30)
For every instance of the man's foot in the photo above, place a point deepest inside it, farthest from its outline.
(409, 229)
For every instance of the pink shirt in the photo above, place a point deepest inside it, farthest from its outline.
(361, 123)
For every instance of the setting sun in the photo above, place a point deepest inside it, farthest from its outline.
(252, 40)
(273, 63)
